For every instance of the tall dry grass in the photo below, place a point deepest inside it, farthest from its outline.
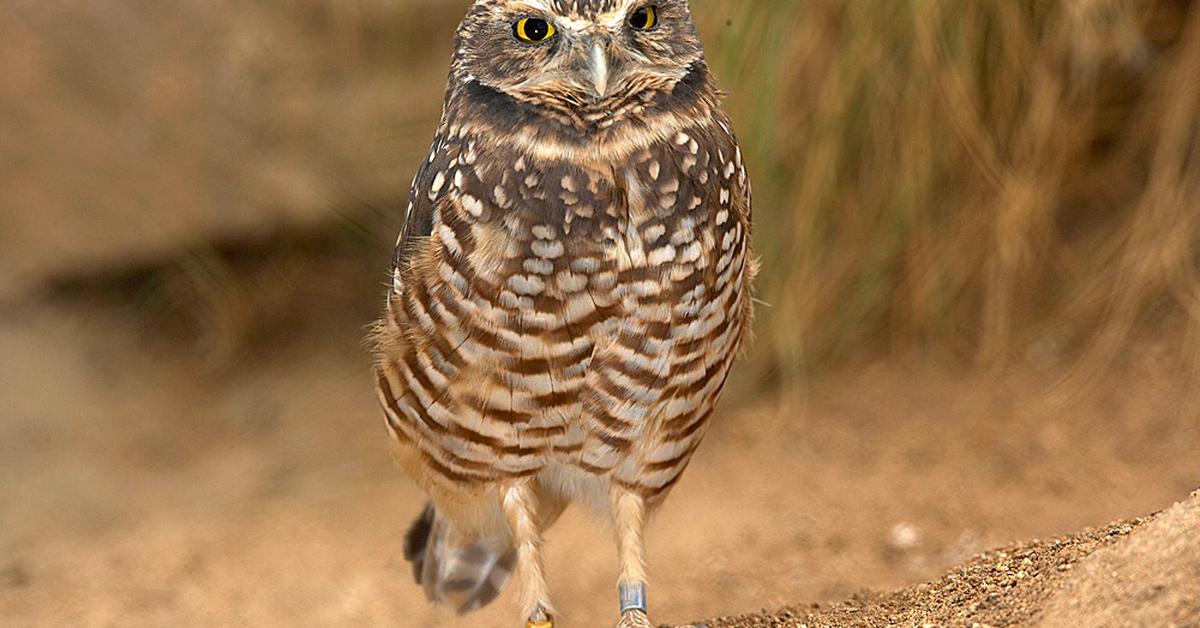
(986, 180)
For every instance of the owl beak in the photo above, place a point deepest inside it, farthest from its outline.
(598, 66)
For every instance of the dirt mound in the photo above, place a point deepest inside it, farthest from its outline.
(1151, 579)
(1144, 572)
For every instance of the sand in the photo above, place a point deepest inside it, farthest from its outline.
(146, 484)
(1143, 572)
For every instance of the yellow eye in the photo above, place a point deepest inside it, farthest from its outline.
(533, 30)
(644, 19)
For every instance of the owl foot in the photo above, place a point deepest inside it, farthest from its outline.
(540, 619)
(635, 619)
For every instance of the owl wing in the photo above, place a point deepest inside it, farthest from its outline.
(418, 217)
(462, 372)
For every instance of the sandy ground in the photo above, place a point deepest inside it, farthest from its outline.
(1144, 572)
(142, 486)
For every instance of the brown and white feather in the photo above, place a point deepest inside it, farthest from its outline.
(569, 292)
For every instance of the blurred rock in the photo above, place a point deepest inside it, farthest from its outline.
(131, 129)
(904, 536)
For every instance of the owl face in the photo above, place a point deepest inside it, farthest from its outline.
(577, 53)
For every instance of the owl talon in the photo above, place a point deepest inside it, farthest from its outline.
(635, 619)
(539, 618)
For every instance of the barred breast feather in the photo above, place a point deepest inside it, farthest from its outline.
(552, 311)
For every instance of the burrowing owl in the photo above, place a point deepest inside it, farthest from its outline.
(569, 291)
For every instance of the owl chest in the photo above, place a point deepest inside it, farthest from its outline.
(567, 277)
(587, 247)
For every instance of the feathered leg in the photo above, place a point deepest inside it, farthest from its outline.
(464, 572)
(629, 515)
(521, 508)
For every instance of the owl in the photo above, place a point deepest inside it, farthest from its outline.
(569, 291)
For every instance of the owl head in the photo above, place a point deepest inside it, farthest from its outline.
(577, 53)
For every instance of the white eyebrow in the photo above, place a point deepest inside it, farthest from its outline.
(537, 5)
(610, 19)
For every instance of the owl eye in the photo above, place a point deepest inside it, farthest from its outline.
(533, 30)
(644, 19)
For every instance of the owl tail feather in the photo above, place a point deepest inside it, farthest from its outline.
(461, 573)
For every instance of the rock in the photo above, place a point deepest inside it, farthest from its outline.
(131, 134)
(1152, 578)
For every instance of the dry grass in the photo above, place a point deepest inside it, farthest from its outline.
(987, 180)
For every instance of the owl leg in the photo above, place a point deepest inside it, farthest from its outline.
(520, 507)
(629, 514)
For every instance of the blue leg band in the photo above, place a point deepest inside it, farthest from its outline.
(633, 597)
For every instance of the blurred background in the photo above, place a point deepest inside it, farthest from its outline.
(980, 322)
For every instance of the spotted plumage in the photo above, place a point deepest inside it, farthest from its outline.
(569, 291)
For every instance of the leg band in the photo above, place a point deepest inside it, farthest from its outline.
(633, 596)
